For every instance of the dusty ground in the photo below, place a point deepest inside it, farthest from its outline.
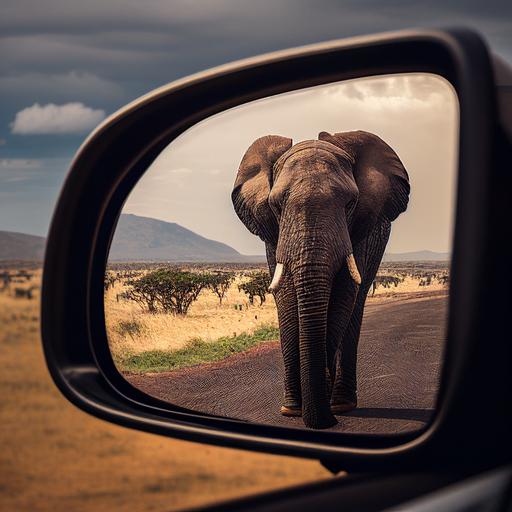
(55, 457)
(399, 360)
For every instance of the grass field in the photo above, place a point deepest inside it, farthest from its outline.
(198, 351)
(131, 331)
(143, 342)
(55, 457)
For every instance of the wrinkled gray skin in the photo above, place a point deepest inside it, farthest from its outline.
(314, 204)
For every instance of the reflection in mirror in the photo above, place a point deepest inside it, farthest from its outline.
(286, 262)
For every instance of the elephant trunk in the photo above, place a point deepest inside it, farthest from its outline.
(313, 249)
(313, 287)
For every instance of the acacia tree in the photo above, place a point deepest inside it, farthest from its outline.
(386, 282)
(256, 286)
(167, 290)
(144, 291)
(177, 290)
(219, 283)
(110, 280)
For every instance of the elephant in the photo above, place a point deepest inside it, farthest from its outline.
(324, 210)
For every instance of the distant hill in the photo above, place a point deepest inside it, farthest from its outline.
(146, 239)
(19, 246)
(417, 256)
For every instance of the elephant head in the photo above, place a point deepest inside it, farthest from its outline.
(312, 203)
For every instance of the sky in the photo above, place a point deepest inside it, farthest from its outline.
(65, 65)
(417, 114)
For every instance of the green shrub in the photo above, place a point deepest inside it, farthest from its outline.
(167, 290)
(219, 283)
(256, 286)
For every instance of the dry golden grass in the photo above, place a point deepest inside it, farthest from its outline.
(206, 319)
(55, 457)
(409, 285)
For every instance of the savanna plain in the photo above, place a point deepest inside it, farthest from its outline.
(55, 457)
(163, 317)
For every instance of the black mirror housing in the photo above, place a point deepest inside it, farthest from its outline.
(473, 421)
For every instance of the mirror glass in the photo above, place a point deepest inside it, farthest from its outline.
(286, 262)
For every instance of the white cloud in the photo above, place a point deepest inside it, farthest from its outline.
(68, 118)
(19, 163)
(14, 170)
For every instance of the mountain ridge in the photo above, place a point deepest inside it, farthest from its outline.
(21, 246)
(139, 238)
(424, 255)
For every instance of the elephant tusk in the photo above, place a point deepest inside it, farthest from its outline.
(352, 268)
(278, 274)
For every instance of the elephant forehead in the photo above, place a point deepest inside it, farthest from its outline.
(310, 148)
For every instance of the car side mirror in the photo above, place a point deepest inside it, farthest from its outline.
(470, 422)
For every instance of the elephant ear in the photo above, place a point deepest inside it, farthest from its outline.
(253, 184)
(379, 173)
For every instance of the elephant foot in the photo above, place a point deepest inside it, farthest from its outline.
(291, 411)
(343, 407)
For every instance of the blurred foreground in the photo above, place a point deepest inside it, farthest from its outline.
(55, 457)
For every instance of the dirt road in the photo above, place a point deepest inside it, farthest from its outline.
(400, 352)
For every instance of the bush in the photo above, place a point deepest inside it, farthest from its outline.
(256, 286)
(219, 283)
(167, 290)
(129, 327)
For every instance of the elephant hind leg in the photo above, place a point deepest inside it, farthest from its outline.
(343, 298)
(368, 255)
(344, 391)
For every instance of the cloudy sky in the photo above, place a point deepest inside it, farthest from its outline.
(65, 65)
(191, 181)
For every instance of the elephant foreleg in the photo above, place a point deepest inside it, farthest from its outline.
(286, 302)
(368, 255)
(341, 311)
(287, 313)
(344, 390)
